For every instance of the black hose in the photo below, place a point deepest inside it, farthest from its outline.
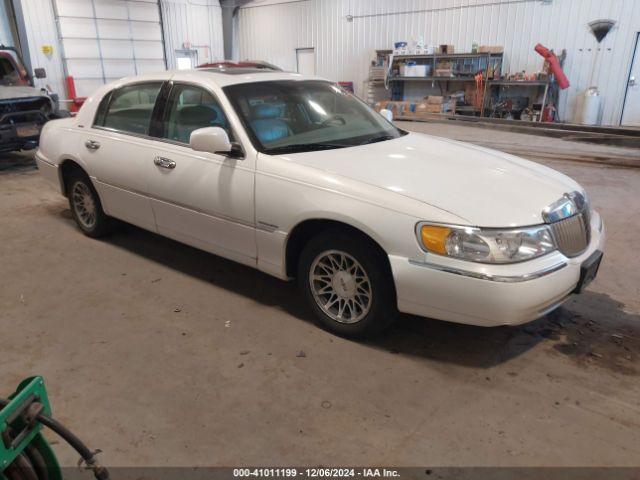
(99, 472)
(21, 469)
(38, 462)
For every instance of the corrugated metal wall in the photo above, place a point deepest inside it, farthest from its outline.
(6, 30)
(40, 24)
(272, 30)
(103, 40)
(197, 22)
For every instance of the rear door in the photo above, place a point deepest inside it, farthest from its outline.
(120, 150)
(199, 198)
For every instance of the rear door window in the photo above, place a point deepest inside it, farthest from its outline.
(129, 109)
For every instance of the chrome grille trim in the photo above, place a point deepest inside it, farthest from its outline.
(572, 235)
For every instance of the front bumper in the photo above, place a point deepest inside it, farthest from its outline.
(489, 295)
(20, 130)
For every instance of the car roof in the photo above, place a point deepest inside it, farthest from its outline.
(235, 75)
(220, 76)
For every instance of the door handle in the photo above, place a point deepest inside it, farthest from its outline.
(92, 144)
(632, 82)
(164, 163)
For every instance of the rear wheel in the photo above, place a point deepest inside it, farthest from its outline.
(347, 282)
(86, 207)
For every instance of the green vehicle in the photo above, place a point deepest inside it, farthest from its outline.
(24, 452)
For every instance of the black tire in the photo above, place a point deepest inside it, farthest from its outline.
(102, 224)
(381, 311)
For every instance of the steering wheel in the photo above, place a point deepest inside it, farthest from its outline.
(334, 118)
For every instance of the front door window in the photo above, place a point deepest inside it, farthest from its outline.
(189, 109)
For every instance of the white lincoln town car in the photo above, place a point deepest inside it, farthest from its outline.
(300, 179)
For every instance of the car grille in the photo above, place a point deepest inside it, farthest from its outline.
(18, 110)
(572, 235)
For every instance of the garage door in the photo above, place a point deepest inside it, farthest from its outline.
(103, 40)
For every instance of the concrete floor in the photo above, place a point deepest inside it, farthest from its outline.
(160, 354)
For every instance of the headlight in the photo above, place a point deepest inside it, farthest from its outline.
(488, 245)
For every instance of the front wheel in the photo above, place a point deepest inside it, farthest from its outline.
(86, 207)
(348, 284)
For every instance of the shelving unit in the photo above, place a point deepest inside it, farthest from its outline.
(464, 69)
(523, 84)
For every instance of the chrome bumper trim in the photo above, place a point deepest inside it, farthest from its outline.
(494, 278)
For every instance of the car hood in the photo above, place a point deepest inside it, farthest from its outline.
(485, 187)
(10, 92)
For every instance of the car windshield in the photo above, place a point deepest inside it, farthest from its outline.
(302, 116)
(8, 73)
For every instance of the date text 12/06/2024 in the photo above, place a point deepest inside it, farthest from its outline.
(315, 473)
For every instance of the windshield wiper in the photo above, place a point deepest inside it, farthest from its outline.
(304, 147)
(381, 138)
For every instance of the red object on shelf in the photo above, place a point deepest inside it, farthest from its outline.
(479, 97)
(347, 86)
(554, 65)
(549, 114)
(76, 102)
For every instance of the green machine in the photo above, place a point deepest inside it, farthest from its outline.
(24, 452)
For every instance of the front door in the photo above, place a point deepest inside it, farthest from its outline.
(202, 199)
(631, 113)
(118, 150)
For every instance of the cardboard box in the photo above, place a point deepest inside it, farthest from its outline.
(421, 108)
(433, 108)
(424, 109)
(380, 105)
(435, 100)
(490, 49)
(470, 91)
(414, 70)
(447, 49)
(401, 108)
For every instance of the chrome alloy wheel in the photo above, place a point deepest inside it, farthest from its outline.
(84, 205)
(340, 286)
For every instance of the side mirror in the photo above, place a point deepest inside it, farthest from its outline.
(388, 114)
(210, 139)
(40, 73)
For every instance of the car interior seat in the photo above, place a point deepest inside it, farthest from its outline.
(193, 117)
(267, 124)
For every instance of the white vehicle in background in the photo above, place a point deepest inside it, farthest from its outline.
(297, 178)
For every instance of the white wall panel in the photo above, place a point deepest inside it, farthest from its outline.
(77, 27)
(108, 39)
(6, 28)
(111, 9)
(40, 26)
(197, 23)
(272, 30)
